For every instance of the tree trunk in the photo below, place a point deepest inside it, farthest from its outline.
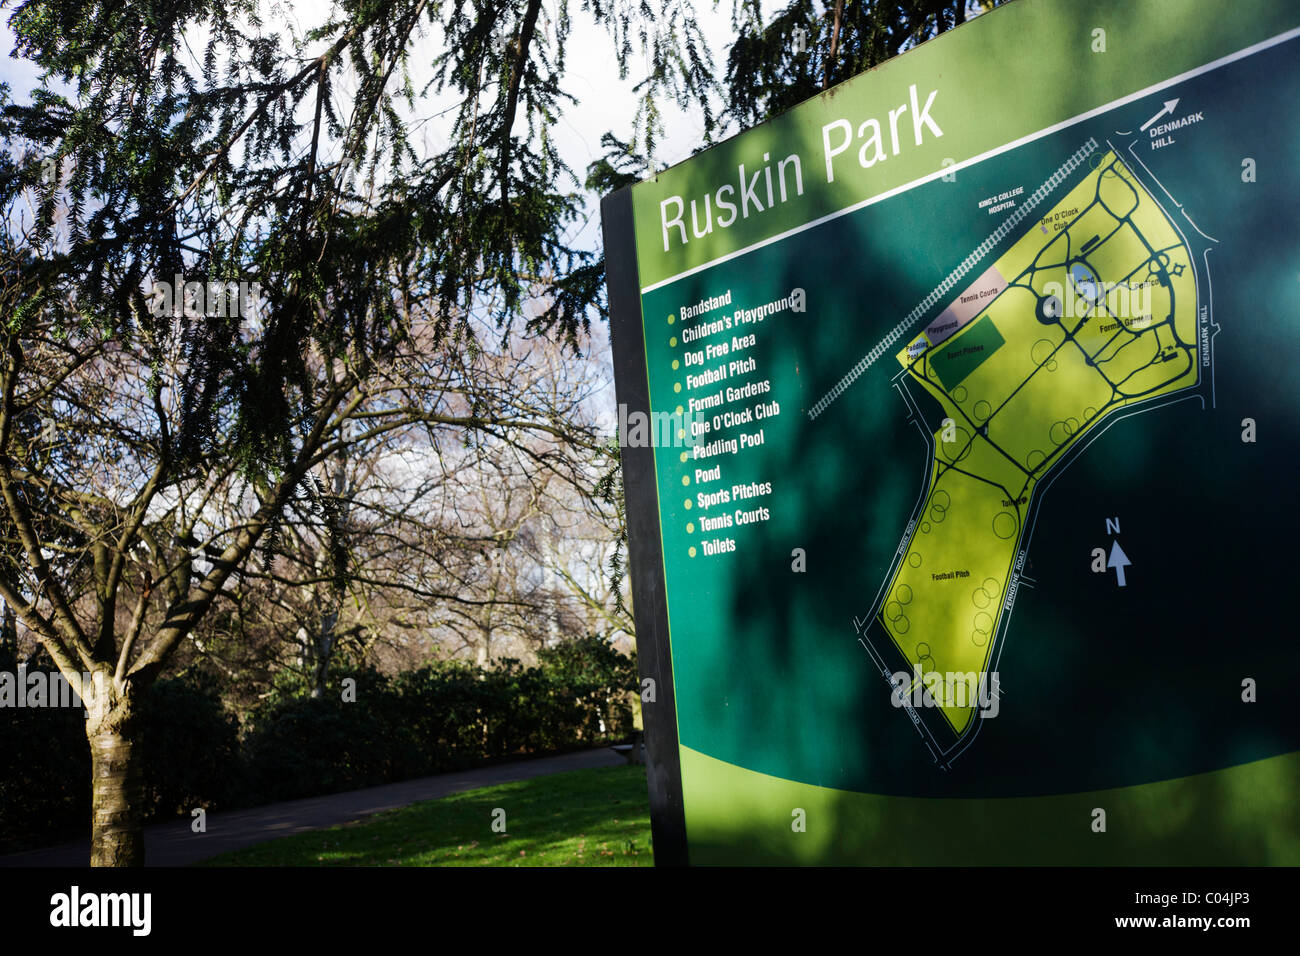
(322, 649)
(117, 779)
(835, 44)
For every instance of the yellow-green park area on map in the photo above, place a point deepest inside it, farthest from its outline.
(1093, 309)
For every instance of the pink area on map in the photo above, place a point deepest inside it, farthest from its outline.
(966, 306)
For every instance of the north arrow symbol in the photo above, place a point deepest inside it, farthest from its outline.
(1118, 560)
(1169, 108)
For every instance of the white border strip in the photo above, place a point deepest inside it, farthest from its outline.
(938, 174)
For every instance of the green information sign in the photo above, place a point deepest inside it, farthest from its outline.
(959, 408)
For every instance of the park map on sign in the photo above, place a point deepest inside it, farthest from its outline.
(1091, 310)
(984, 526)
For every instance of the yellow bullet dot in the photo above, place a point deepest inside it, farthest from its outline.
(679, 409)
(672, 319)
(677, 386)
(672, 343)
(684, 457)
(691, 552)
(676, 364)
(686, 479)
(687, 503)
(681, 433)
(690, 527)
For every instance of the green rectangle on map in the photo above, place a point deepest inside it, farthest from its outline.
(960, 355)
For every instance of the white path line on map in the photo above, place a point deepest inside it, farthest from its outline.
(1215, 328)
(1148, 171)
(914, 416)
(1198, 228)
(1162, 186)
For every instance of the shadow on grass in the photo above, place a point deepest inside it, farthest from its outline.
(595, 817)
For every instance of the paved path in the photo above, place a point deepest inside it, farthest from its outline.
(173, 844)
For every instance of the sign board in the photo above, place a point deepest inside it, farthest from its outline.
(959, 408)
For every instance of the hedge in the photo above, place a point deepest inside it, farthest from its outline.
(368, 730)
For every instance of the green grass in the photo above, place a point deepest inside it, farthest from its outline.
(580, 818)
